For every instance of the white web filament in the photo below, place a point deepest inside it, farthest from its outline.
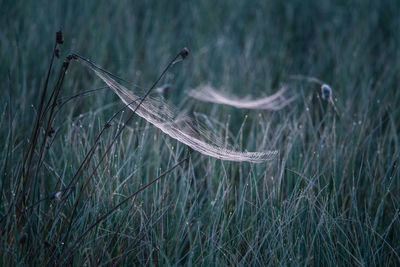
(187, 130)
(275, 102)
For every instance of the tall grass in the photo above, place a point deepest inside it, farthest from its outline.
(330, 197)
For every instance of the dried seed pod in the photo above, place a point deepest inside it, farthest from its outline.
(59, 37)
(184, 53)
(326, 92)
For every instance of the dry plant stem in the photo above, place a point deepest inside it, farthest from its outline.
(90, 153)
(66, 192)
(35, 131)
(130, 117)
(32, 143)
(91, 150)
(65, 100)
(53, 100)
(48, 106)
(79, 239)
(55, 94)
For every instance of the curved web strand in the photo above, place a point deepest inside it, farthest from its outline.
(275, 102)
(185, 129)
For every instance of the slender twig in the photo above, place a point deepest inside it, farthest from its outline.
(55, 94)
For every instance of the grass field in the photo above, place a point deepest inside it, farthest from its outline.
(330, 197)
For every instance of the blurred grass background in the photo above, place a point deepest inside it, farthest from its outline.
(332, 196)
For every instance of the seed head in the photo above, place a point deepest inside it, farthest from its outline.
(184, 53)
(326, 92)
(59, 37)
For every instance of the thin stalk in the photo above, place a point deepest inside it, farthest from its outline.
(180, 54)
(88, 156)
(32, 141)
(129, 119)
(55, 94)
